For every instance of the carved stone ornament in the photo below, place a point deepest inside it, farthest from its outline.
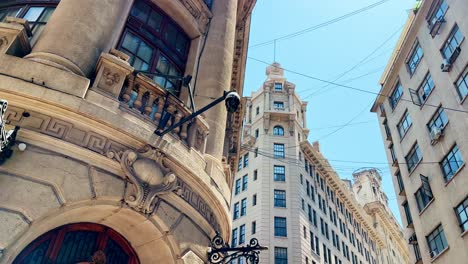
(148, 177)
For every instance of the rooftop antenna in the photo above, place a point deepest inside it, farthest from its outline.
(274, 50)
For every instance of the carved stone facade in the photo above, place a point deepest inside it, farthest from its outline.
(88, 116)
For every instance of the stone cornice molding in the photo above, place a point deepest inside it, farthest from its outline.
(325, 169)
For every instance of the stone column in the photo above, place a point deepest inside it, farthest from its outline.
(215, 72)
(78, 32)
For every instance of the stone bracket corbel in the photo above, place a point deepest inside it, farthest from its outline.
(14, 37)
(111, 71)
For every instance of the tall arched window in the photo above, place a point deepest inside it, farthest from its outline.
(278, 131)
(79, 243)
(155, 44)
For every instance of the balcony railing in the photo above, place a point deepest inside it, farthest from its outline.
(145, 98)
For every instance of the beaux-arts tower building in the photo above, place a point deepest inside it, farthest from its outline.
(288, 196)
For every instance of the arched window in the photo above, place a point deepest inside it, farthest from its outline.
(278, 131)
(79, 243)
(155, 44)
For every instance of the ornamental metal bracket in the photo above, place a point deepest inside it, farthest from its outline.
(221, 252)
(7, 138)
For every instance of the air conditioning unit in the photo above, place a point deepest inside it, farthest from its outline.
(436, 133)
(445, 66)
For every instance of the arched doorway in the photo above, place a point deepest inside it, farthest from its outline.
(79, 243)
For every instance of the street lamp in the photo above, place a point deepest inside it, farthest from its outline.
(231, 98)
(7, 138)
(220, 252)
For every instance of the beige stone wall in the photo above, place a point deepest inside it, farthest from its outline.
(77, 130)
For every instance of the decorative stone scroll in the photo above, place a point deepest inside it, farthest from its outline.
(148, 177)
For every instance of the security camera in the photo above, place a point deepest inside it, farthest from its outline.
(232, 102)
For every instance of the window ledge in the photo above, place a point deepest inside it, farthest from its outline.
(464, 99)
(455, 174)
(427, 205)
(464, 233)
(440, 254)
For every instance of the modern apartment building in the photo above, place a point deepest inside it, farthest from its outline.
(92, 84)
(423, 113)
(288, 196)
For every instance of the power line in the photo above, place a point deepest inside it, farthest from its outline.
(271, 155)
(360, 62)
(351, 87)
(321, 25)
(346, 124)
(335, 126)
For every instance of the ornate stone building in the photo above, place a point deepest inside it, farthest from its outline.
(289, 197)
(89, 82)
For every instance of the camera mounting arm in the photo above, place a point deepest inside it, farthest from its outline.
(232, 103)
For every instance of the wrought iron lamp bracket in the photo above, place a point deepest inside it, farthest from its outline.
(221, 252)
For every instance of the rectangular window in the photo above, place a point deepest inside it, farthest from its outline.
(280, 227)
(423, 194)
(278, 150)
(404, 124)
(255, 175)
(280, 198)
(254, 227)
(238, 187)
(438, 15)
(239, 164)
(242, 234)
(245, 180)
(462, 214)
(401, 186)
(256, 133)
(387, 130)
(309, 212)
(451, 163)
(409, 219)
(396, 95)
(426, 88)
(278, 86)
(278, 105)
(243, 207)
(246, 160)
(417, 253)
(307, 188)
(414, 58)
(303, 204)
(438, 121)
(301, 178)
(254, 200)
(451, 48)
(234, 238)
(462, 85)
(279, 173)
(392, 153)
(236, 211)
(256, 152)
(281, 255)
(257, 110)
(436, 241)
(314, 217)
(413, 158)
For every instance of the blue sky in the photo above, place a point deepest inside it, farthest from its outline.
(326, 53)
